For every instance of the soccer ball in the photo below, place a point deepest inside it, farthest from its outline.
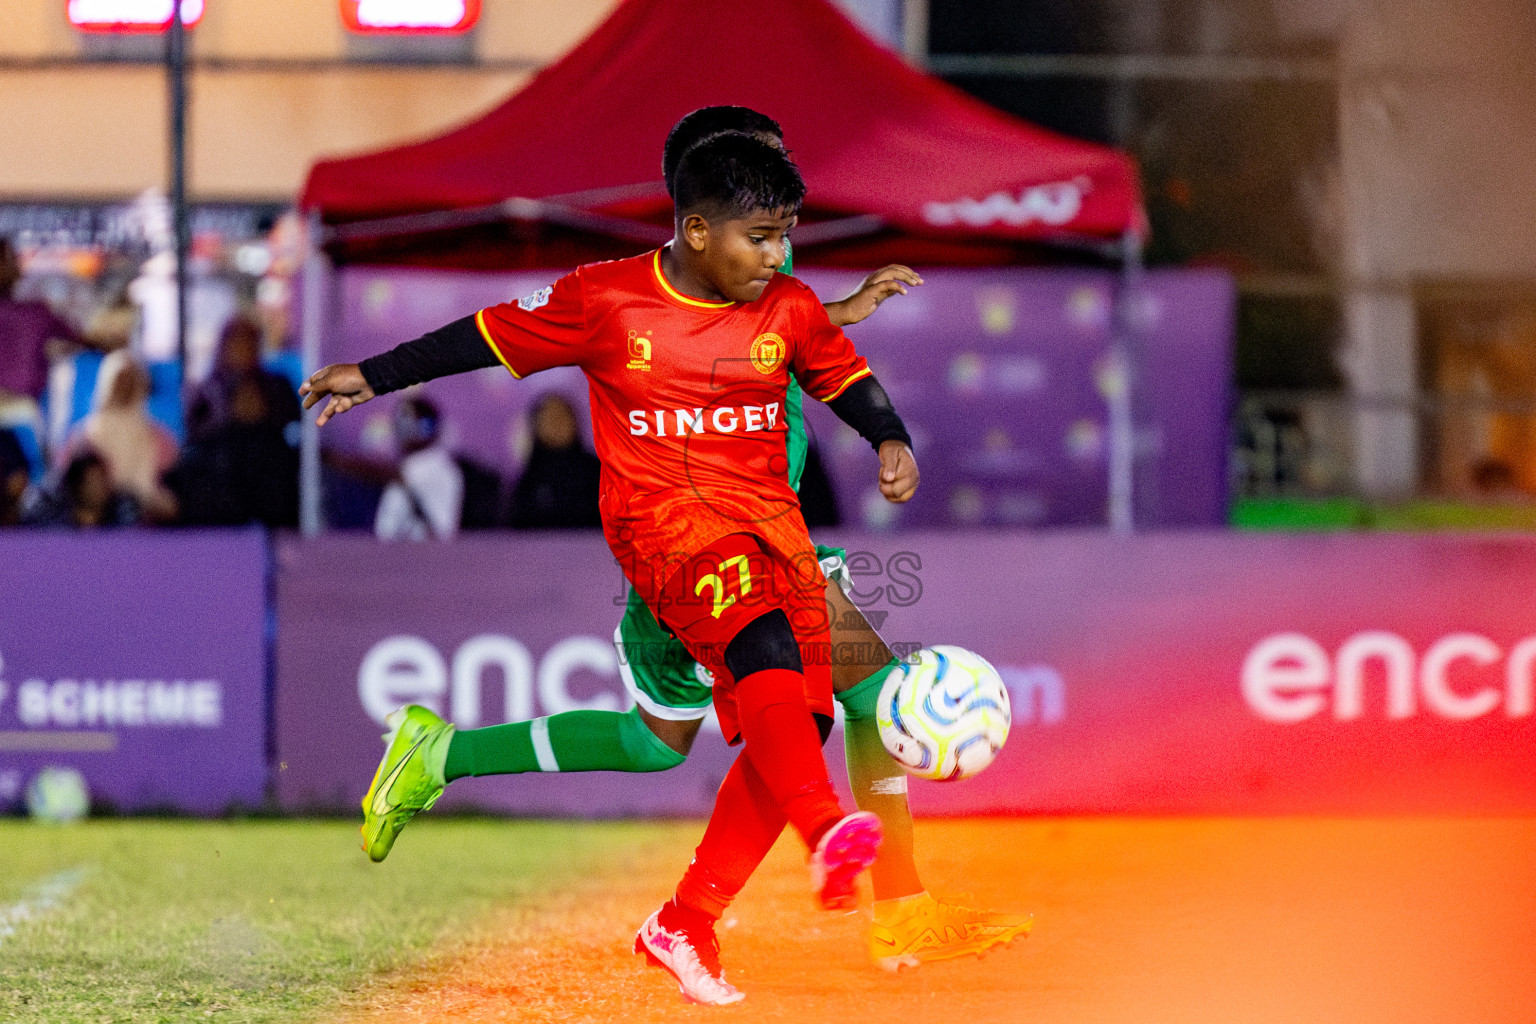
(58, 796)
(944, 714)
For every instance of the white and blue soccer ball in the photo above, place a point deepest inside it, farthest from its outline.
(944, 714)
(58, 796)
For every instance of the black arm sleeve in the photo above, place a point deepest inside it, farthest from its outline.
(867, 408)
(456, 348)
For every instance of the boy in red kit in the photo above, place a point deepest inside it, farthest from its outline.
(688, 352)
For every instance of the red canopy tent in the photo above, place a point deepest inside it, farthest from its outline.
(900, 165)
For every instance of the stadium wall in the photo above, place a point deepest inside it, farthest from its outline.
(1178, 673)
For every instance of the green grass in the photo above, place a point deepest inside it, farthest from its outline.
(250, 921)
(1332, 514)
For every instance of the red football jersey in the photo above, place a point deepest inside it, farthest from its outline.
(687, 402)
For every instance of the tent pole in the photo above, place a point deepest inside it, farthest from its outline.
(315, 283)
(1119, 384)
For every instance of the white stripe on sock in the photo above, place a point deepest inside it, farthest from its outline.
(541, 748)
(889, 786)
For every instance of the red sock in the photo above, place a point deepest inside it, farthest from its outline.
(743, 827)
(782, 741)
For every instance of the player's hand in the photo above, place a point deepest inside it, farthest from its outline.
(877, 287)
(343, 383)
(898, 472)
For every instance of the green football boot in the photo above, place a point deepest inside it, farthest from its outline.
(409, 779)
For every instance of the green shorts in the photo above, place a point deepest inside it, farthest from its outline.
(659, 673)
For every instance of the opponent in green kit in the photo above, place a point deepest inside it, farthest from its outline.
(672, 694)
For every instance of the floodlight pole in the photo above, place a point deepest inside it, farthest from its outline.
(176, 72)
(313, 284)
(1118, 384)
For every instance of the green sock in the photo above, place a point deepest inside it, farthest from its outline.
(879, 785)
(575, 741)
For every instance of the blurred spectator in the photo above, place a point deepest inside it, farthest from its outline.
(241, 464)
(239, 379)
(136, 450)
(559, 487)
(83, 498)
(30, 334)
(426, 498)
(14, 476)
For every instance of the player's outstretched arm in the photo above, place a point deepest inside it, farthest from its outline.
(342, 384)
(457, 348)
(875, 289)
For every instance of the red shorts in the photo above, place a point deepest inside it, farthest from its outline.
(738, 578)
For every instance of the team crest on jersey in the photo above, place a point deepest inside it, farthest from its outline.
(768, 352)
(639, 351)
(529, 303)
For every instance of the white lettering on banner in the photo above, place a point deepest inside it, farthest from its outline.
(1037, 693)
(469, 666)
(89, 704)
(401, 670)
(1281, 675)
(1054, 204)
(1438, 695)
(398, 671)
(1285, 677)
(687, 421)
(1518, 673)
(1394, 654)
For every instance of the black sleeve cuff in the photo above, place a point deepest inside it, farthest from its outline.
(456, 348)
(866, 407)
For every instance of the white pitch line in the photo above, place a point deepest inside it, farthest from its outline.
(40, 899)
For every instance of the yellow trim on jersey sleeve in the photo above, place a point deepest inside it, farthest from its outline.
(860, 375)
(679, 296)
(486, 334)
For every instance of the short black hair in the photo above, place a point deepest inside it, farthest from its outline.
(731, 174)
(73, 481)
(707, 121)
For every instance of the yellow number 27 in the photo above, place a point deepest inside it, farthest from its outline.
(717, 583)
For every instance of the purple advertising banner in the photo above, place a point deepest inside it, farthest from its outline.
(486, 629)
(138, 659)
(1174, 673)
(998, 373)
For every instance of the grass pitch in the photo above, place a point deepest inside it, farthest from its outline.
(139, 921)
(1142, 921)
